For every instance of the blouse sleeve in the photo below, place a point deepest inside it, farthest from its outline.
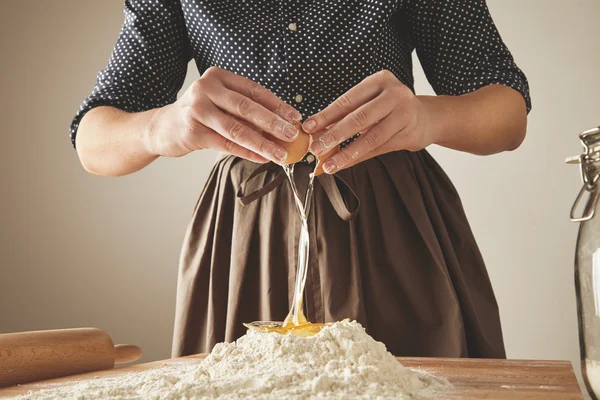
(148, 64)
(460, 48)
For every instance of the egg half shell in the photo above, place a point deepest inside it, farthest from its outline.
(298, 149)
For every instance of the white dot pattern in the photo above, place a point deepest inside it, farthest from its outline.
(335, 44)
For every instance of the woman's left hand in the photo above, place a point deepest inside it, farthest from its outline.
(383, 110)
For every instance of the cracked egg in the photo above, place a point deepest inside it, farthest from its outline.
(298, 149)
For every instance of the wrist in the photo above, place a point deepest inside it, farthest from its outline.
(436, 118)
(149, 135)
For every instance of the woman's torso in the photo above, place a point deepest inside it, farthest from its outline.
(307, 52)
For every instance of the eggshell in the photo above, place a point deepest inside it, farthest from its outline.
(323, 158)
(297, 149)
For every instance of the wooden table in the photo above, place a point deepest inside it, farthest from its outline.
(472, 378)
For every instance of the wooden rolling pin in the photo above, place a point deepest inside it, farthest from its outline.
(33, 356)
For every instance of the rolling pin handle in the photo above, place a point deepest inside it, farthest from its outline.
(126, 353)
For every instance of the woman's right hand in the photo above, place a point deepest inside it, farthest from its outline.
(226, 112)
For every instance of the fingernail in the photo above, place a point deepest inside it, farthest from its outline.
(330, 166)
(281, 154)
(317, 147)
(328, 139)
(296, 116)
(290, 131)
(325, 141)
(309, 125)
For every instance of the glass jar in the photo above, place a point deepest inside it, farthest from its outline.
(587, 259)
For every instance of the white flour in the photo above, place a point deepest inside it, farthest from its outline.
(342, 361)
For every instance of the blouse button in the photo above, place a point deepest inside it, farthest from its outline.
(298, 98)
(292, 27)
(310, 158)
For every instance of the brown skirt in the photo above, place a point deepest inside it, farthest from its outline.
(403, 262)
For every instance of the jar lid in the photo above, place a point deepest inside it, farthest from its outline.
(589, 162)
(590, 140)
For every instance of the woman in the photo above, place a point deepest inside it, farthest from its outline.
(404, 263)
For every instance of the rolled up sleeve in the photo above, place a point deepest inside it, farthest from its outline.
(461, 49)
(148, 64)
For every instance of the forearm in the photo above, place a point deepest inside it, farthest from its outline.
(112, 142)
(488, 121)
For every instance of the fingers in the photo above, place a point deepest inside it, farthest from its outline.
(369, 144)
(353, 162)
(213, 140)
(243, 107)
(360, 94)
(356, 121)
(259, 94)
(241, 134)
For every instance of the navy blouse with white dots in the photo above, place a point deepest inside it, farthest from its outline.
(307, 52)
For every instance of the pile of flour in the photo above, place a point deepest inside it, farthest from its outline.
(342, 361)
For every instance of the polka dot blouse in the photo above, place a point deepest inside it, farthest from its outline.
(307, 52)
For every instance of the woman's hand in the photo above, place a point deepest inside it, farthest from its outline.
(226, 112)
(383, 110)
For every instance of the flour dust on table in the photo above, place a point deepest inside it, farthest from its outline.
(341, 361)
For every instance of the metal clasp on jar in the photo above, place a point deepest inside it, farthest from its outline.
(589, 164)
